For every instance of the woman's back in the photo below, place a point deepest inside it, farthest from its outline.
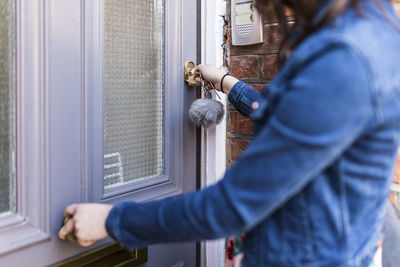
(340, 114)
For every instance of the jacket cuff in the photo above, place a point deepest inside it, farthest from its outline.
(113, 221)
(242, 97)
(236, 92)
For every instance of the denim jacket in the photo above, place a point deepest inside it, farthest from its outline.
(311, 188)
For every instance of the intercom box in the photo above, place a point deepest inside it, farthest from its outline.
(247, 23)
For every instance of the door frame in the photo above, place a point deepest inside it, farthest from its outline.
(214, 139)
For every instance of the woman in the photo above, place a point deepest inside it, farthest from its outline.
(312, 187)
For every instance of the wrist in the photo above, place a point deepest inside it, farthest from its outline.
(228, 83)
(221, 86)
(219, 78)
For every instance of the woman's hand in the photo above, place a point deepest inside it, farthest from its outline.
(88, 223)
(214, 75)
(210, 73)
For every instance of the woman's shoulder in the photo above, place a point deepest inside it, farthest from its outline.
(371, 38)
(373, 34)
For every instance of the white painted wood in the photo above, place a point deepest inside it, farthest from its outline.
(214, 140)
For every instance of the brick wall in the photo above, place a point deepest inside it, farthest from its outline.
(255, 65)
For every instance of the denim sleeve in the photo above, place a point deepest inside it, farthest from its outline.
(242, 97)
(326, 110)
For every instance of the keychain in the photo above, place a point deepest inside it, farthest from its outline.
(207, 111)
(207, 86)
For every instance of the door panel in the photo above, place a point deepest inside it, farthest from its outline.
(71, 88)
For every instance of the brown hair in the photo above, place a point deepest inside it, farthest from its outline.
(304, 12)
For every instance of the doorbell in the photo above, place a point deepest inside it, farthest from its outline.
(247, 23)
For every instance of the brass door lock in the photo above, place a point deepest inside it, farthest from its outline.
(71, 236)
(189, 73)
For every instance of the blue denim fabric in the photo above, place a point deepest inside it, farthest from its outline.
(312, 187)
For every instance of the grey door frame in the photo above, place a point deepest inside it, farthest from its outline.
(57, 123)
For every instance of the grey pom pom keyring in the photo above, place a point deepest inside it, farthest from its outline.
(208, 111)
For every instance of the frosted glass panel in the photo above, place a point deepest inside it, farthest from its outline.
(7, 191)
(133, 91)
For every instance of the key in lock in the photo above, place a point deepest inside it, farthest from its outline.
(71, 236)
(189, 73)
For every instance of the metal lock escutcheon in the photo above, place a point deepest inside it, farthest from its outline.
(189, 73)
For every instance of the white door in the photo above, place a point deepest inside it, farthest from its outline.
(93, 108)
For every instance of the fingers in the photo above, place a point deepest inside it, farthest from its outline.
(198, 67)
(70, 210)
(66, 229)
(201, 68)
(87, 223)
(85, 243)
(197, 72)
(69, 226)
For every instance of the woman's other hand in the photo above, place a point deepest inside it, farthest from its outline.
(88, 222)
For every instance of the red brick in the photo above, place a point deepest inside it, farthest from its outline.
(244, 67)
(272, 37)
(237, 146)
(268, 13)
(255, 47)
(269, 66)
(258, 87)
(239, 124)
(271, 16)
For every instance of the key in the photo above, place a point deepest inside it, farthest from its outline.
(207, 86)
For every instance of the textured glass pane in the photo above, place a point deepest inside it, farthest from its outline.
(133, 90)
(7, 193)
